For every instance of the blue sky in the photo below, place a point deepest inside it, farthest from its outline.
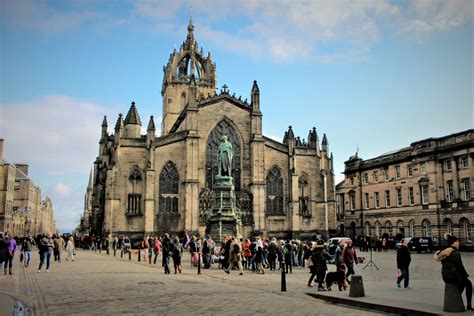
(371, 74)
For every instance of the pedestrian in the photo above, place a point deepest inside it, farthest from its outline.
(235, 255)
(272, 254)
(259, 260)
(46, 250)
(94, 243)
(453, 271)
(288, 256)
(403, 262)
(166, 253)
(156, 248)
(26, 248)
(349, 258)
(58, 247)
(115, 245)
(338, 254)
(319, 258)
(70, 249)
(3, 250)
(225, 251)
(177, 254)
(10, 254)
(193, 249)
(207, 249)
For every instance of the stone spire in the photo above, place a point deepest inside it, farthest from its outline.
(190, 37)
(291, 135)
(151, 124)
(104, 128)
(119, 124)
(132, 116)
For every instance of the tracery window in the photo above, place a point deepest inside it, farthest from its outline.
(168, 189)
(134, 205)
(274, 188)
(213, 141)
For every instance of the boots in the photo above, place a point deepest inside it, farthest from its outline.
(10, 271)
(5, 271)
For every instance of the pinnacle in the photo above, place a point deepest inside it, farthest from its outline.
(119, 123)
(132, 116)
(151, 124)
(104, 122)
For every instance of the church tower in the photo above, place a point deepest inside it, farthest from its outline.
(184, 66)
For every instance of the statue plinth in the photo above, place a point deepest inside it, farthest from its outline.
(223, 220)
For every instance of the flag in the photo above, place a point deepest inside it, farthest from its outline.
(188, 239)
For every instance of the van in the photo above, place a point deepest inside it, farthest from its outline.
(418, 244)
(332, 243)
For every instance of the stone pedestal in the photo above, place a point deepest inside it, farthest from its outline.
(224, 219)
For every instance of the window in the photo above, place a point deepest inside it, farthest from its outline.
(465, 230)
(274, 186)
(388, 228)
(366, 200)
(411, 196)
(397, 172)
(426, 226)
(423, 168)
(401, 228)
(304, 196)
(411, 227)
(399, 197)
(385, 173)
(134, 205)
(464, 162)
(169, 187)
(409, 170)
(387, 198)
(352, 181)
(378, 229)
(352, 200)
(448, 165)
(368, 229)
(448, 226)
(375, 175)
(365, 178)
(377, 200)
(466, 186)
(450, 193)
(424, 194)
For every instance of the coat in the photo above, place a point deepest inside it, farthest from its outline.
(319, 258)
(452, 271)
(349, 256)
(403, 257)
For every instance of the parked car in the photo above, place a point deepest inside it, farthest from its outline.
(418, 244)
(332, 243)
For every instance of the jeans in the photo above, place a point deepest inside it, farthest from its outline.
(26, 257)
(404, 275)
(45, 256)
(9, 261)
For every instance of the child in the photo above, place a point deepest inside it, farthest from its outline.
(259, 261)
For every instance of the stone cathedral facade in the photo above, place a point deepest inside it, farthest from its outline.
(144, 184)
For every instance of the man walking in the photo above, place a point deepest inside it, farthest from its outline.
(46, 250)
(26, 247)
(403, 262)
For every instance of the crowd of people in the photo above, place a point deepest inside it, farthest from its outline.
(48, 245)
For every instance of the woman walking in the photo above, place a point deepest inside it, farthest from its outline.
(319, 258)
(176, 255)
(70, 249)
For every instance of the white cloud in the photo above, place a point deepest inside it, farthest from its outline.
(56, 132)
(62, 189)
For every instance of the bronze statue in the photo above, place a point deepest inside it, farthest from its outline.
(224, 156)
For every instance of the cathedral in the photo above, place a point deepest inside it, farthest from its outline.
(148, 185)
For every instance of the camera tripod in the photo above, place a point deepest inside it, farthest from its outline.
(371, 263)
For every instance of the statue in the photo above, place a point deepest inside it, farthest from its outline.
(224, 157)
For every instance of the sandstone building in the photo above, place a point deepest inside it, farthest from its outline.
(143, 184)
(22, 210)
(420, 190)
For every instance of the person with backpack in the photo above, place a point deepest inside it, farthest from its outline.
(272, 254)
(319, 259)
(177, 254)
(235, 255)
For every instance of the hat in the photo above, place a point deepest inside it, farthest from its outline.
(349, 241)
(451, 239)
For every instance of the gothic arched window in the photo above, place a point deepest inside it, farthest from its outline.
(134, 205)
(213, 141)
(303, 186)
(168, 189)
(274, 187)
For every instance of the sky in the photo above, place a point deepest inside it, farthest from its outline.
(374, 75)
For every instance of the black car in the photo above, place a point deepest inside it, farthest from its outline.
(419, 244)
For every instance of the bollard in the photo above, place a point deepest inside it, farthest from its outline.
(283, 277)
(115, 251)
(121, 253)
(130, 254)
(357, 286)
(452, 299)
(139, 255)
(199, 263)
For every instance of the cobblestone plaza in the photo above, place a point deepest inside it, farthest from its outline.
(97, 284)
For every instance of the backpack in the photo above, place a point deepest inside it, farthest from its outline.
(177, 249)
(284, 250)
(236, 248)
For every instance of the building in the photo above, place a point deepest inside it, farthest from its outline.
(143, 184)
(421, 190)
(22, 210)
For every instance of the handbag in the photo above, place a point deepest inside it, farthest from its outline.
(21, 257)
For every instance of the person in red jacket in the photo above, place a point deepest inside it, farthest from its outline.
(349, 257)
